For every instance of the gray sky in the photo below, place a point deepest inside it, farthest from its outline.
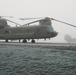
(64, 10)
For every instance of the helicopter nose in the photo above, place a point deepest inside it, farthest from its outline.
(54, 33)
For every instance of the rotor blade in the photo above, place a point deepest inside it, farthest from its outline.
(7, 16)
(35, 21)
(11, 21)
(63, 22)
(30, 18)
(31, 22)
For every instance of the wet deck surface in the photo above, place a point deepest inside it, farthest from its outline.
(39, 44)
(37, 60)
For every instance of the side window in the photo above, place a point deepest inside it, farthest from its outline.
(38, 29)
(7, 31)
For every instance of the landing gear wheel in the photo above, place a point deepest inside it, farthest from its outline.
(24, 41)
(33, 41)
(6, 40)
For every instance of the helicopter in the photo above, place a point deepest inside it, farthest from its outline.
(26, 32)
(69, 39)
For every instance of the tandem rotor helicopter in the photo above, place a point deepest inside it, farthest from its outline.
(26, 32)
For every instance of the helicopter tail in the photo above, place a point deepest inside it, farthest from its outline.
(3, 23)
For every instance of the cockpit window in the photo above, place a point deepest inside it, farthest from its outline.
(7, 31)
(49, 29)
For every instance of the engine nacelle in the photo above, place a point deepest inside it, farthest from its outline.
(45, 21)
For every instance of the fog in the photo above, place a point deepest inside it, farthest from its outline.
(64, 10)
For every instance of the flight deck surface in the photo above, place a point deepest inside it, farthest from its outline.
(38, 44)
(37, 58)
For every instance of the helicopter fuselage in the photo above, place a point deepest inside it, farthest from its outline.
(27, 32)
